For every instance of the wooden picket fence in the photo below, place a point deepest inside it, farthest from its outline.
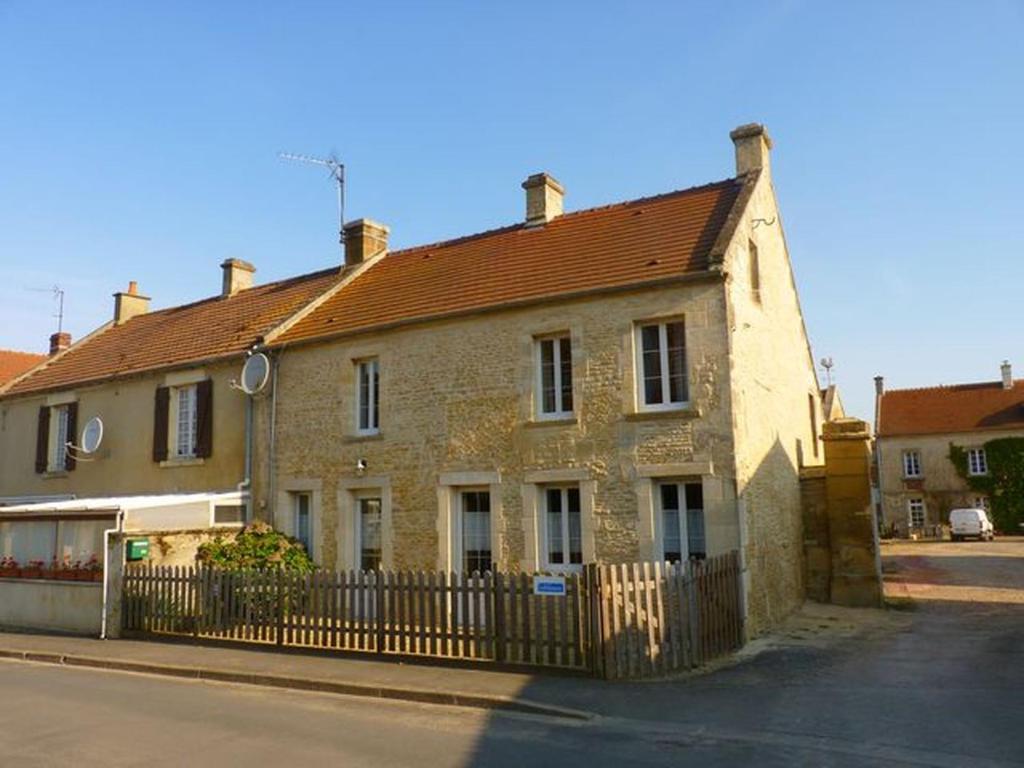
(615, 621)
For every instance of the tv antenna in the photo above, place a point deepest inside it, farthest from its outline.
(337, 172)
(828, 365)
(58, 296)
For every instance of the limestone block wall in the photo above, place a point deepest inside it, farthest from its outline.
(817, 549)
(457, 407)
(774, 394)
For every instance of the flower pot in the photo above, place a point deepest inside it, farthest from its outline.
(31, 573)
(83, 574)
(10, 573)
(97, 575)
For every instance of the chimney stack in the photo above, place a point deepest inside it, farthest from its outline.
(237, 276)
(1007, 372)
(543, 199)
(753, 148)
(879, 385)
(59, 342)
(128, 304)
(364, 239)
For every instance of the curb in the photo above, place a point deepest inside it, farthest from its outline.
(419, 695)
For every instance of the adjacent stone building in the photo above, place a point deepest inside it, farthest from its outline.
(918, 484)
(621, 383)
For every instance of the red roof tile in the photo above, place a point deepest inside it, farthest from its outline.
(208, 329)
(14, 363)
(962, 408)
(614, 246)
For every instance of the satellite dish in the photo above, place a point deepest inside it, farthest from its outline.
(92, 435)
(255, 373)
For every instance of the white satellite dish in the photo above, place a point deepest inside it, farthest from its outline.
(92, 435)
(255, 373)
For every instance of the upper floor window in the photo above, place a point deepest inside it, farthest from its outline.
(755, 271)
(187, 421)
(661, 365)
(911, 464)
(183, 421)
(56, 430)
(564, 532)
(554, 377)
(977, 462)
(368, 396)
(59, 445)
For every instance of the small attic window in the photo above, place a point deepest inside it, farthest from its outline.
(755, 271)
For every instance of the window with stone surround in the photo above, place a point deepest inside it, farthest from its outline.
(681, 506)
(554, 377)
(916, 512)
(911, 464)
(368, 532)
(661, 376)
(302, 520)
(563, 530)
(977, 462)
(475, 530)
(368, 396)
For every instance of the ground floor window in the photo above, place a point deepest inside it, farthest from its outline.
(981, 502)
(915, 508)
(475, 524)
(681, 506)
(302, 526)
(564, 545)
(369, 532)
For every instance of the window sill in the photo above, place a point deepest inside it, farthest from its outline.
(561, 421)
(363, 438)
(54, 474)
(182, 462)
(666, 413)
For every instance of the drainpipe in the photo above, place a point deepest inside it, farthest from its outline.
(118, 528)
(246, 485)
(272, 451)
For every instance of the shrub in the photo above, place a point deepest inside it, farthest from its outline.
(1004, 482)
(256, 547)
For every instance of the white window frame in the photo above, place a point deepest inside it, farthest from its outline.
(912, 465)
(460, 554)
(683, 516)
(370, 365)
(296, 498)
(545, 552)
(977, 462)
(917, 504)
(189, 393)
(640, 379)
(357, 524)
(560, 411)
(57, 455)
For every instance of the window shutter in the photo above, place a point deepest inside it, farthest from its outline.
(69, 456)
(204, 418)
(160, 415)
(43, 439)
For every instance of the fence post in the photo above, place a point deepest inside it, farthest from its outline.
(282, 605)
(498, 595)
(197, 600)
(378, 614)
(593, 607)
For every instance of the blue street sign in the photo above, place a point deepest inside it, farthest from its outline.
(549, 585)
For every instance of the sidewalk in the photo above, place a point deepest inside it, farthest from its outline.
(435, 684)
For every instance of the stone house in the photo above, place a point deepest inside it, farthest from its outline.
(627, 382)
(918, 485)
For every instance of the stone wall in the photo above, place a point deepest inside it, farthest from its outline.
(817, 547)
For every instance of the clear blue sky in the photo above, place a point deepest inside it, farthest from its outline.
(140, 142)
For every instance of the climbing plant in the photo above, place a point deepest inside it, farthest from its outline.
(1004, 483)
(257, 546)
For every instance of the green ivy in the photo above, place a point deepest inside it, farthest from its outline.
(1004, 483)
(257, 547)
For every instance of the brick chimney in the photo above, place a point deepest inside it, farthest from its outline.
(753, 148)
(364, 239)
(1007, 372)
(237, 276)
(59, 342)
(543, 199)
(128, 304)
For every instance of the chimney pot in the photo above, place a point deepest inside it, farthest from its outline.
(544, 199)
(1007, 372)
(879, 385)
(364, 239)
(753, 148)
(59, 342)
(128, 304)
(236, 276)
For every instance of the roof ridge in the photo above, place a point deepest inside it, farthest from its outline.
(963, 385)
(8, 351)
(571, 214)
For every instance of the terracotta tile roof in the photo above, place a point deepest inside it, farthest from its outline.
(961, 408)
(13, 363)
(613, 246)
(208, 329)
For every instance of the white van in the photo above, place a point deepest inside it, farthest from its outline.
(970, 522)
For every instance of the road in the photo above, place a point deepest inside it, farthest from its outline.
(938, 685)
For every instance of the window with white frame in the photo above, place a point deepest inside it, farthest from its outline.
(554, 377)
(302, 520)
(977, 462)
(563, 529)
(59, 420)
(475, 530)
(187, 421)
(681, 506)
(369, 532)
(661, 365)
(915, 509)
(368, 396)
(911, 464)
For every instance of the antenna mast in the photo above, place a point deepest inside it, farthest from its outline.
(828, 365)
(337, 171)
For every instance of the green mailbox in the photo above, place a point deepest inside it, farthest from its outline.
(138, 549)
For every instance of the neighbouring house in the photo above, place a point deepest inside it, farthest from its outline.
(832, 403)
(628, 382)
(14, 364)
(916, 429)
(174, 422)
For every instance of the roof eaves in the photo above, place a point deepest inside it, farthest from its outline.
(50, 360)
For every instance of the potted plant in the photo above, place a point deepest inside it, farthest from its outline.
(52, 572)
(33, 570)
(9, 568)
(92, 570)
